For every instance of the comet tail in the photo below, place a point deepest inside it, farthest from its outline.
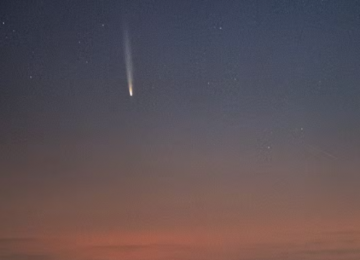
(128, 61)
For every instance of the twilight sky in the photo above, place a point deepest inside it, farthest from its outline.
(241, 141)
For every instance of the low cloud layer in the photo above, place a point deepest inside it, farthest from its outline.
(344, 245)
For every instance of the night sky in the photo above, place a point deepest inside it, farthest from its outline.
(241, 140)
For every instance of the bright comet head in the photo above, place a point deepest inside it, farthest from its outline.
(130, 91)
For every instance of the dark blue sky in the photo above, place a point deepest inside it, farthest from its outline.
(244, 113)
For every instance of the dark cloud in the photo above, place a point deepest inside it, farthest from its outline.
(334, 252)
(123, 247)
(26, 257)
(153, 251)
(139, 247)
(329, 245)
(347, 233)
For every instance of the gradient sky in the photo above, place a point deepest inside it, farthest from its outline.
(241, 141)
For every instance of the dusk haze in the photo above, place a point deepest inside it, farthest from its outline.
(179, 130)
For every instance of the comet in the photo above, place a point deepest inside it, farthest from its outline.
(128, 62)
